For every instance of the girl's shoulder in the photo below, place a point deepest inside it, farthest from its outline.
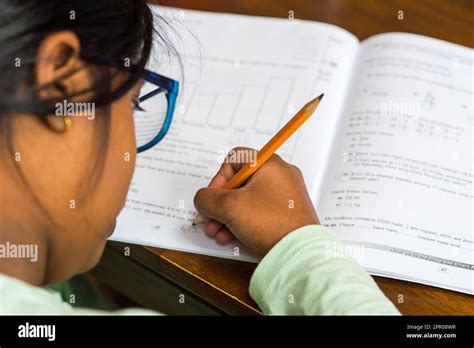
(19, 297)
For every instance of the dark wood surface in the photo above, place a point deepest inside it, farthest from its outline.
(224, 283)
(451, 20)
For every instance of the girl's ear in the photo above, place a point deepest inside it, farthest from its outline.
(57, 60)
(58, 55)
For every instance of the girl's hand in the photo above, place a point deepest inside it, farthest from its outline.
(271, 204)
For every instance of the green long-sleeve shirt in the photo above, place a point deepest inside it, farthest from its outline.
(303, 274)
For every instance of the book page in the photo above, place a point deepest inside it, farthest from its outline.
(244, 78)
(399, 188)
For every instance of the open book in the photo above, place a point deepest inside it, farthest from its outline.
(387, 157)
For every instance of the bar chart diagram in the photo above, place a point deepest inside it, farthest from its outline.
(262, 108)
(248, 102)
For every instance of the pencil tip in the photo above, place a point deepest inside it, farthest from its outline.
(313, 104)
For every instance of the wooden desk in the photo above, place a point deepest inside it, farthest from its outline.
(214, 286)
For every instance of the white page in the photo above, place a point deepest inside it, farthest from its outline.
(400, 181)
(244, 80)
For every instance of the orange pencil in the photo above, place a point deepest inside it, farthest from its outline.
(269, 148)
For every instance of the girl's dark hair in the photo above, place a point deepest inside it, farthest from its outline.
(112, 30)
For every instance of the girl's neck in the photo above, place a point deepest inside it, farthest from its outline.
(23, 245)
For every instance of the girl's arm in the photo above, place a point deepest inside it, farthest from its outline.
(308, 273)
(303, 272)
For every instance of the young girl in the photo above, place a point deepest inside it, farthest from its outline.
(64, 178)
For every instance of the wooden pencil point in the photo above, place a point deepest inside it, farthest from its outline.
(198, 220)
(311, 106)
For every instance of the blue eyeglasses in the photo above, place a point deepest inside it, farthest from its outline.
(153, 111)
